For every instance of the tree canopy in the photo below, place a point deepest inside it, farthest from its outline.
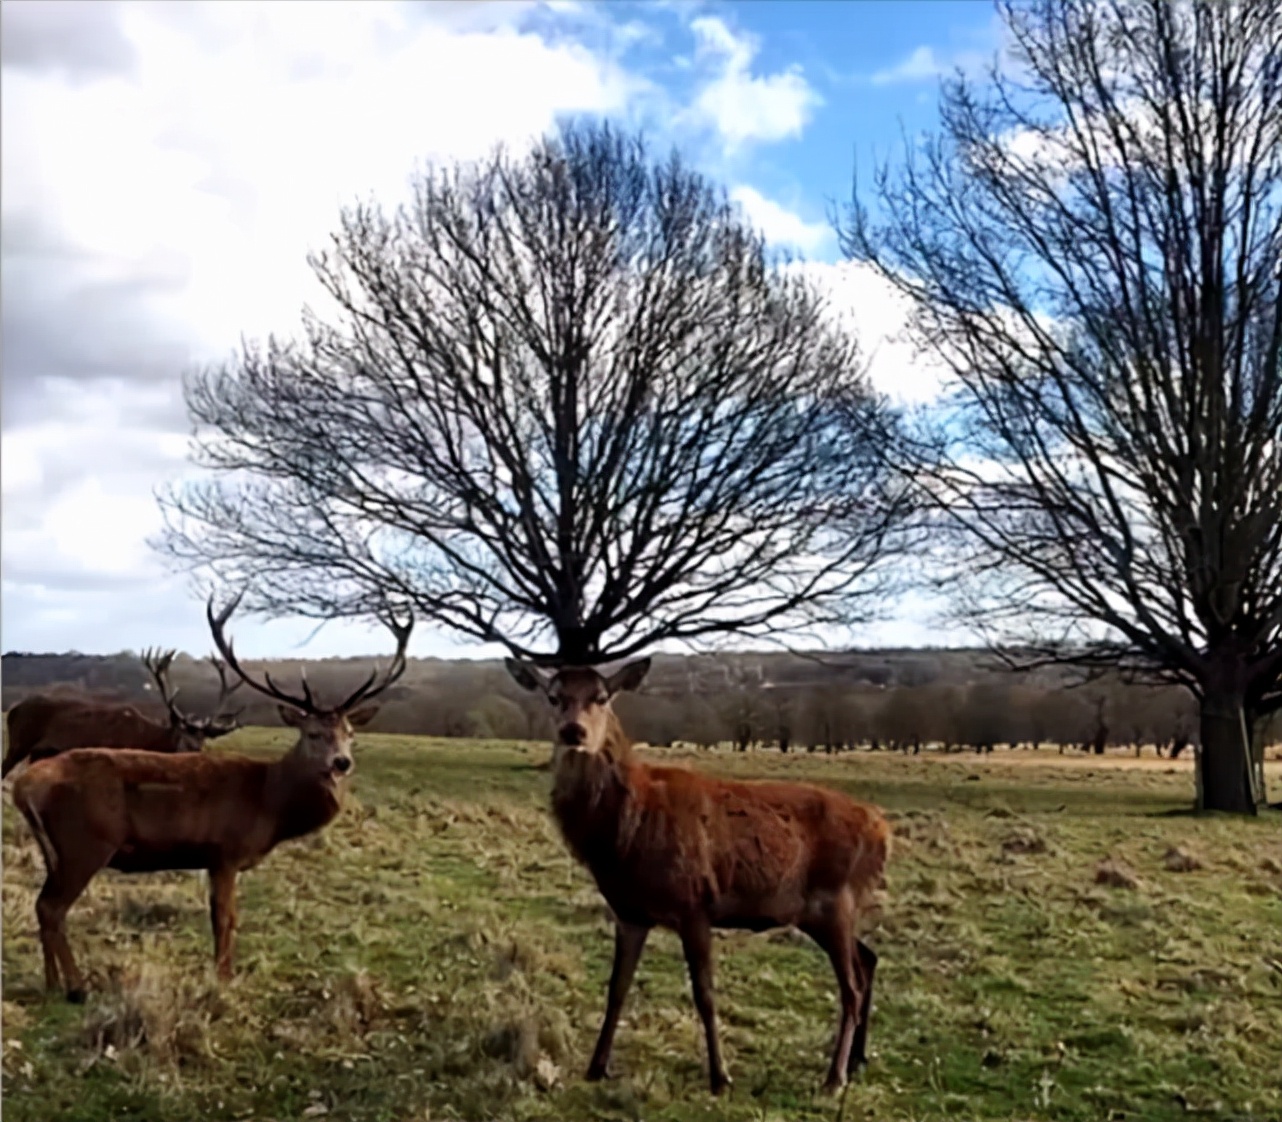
(1092, 245)
(566, 401)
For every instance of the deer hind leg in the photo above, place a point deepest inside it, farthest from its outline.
(222, 915)
(62, 888)
(866, 962)
(835, 934)
(696, 941)
(629, 942)
(67, 875)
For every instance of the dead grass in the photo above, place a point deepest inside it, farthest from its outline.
(436, 954)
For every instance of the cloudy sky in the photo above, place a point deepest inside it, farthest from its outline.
(167, 166)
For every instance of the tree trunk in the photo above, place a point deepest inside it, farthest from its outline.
(1223, 763)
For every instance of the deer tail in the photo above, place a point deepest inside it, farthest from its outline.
(25, 803)
(14, 754)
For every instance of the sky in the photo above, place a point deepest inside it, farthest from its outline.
(167, 166)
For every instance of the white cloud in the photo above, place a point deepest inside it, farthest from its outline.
(866, 303)
(780, 226)
(925, 63)
(165, 170)
(742, 106)
(160, 193)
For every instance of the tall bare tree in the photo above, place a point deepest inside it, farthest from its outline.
(1092, 244)
(568, 402)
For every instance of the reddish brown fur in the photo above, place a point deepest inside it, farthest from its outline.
(671, 847)
(140, 811)
(44, 725)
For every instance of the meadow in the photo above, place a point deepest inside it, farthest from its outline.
(435, 954)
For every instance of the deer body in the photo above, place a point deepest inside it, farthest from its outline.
(192, 812)
(671, 847)
(45, 725)
(139, 811)
(42, 726)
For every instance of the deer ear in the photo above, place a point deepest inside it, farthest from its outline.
(526, 676)
(362, 716)
(291, 716)
(628, 677)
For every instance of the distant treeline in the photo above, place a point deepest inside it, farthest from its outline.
(886, 699)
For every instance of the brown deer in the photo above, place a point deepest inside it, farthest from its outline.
(45, 725)
(141, 812)
(671, 847)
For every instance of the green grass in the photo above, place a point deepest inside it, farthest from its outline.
(436, 955)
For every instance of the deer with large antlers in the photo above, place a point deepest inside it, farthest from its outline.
(45, 725)
(141, 812)
(671, 847)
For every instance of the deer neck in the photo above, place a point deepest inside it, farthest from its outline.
(302, 798)
(591, 796)
(162, 737)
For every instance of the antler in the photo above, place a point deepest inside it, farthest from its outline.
(307, 703)
(367, 689)
(224, 690)
(158, 663)
(221, 719)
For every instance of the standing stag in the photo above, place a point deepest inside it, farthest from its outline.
(141, 812)
(670, 847)
(43, 725)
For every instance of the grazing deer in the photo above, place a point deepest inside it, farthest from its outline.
(141, 812)
(671, 847)
(44, 725)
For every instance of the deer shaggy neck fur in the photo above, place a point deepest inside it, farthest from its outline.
(664, 843)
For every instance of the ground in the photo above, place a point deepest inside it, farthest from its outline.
(436, 955)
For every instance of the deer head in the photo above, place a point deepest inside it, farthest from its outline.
(325, 732)
(190, 733)
(580, 698)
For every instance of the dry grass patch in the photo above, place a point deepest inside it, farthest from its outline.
(435, 954)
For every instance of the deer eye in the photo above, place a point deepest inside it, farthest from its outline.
(600, 699)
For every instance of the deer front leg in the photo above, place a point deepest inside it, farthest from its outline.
(629, 942)
(866, 959)
(696, 941)
(222, 914)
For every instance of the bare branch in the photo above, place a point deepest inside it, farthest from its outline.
(570, 405)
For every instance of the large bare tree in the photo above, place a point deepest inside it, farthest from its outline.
(567, 401)
(1092, 244)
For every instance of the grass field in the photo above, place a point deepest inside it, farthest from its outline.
(436, 955)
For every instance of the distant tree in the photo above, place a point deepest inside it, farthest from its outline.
(783, 714)
(1093, 247)
(701, 723)
(902, 718)
(984, 719)
(495, 718)
(567, 403)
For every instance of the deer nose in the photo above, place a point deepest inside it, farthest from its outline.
(573, 734)
(342, 764)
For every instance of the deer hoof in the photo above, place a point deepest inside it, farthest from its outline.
(720, 1082)
(76, 996)
(596, 1073)
(833, 1085)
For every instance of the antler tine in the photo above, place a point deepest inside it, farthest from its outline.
(220, 717)
(224, 690)
(157, 663)
(267, 686)
(396, 668)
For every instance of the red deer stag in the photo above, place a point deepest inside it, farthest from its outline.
(45, 725)
(141, 812)
(671, 847)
